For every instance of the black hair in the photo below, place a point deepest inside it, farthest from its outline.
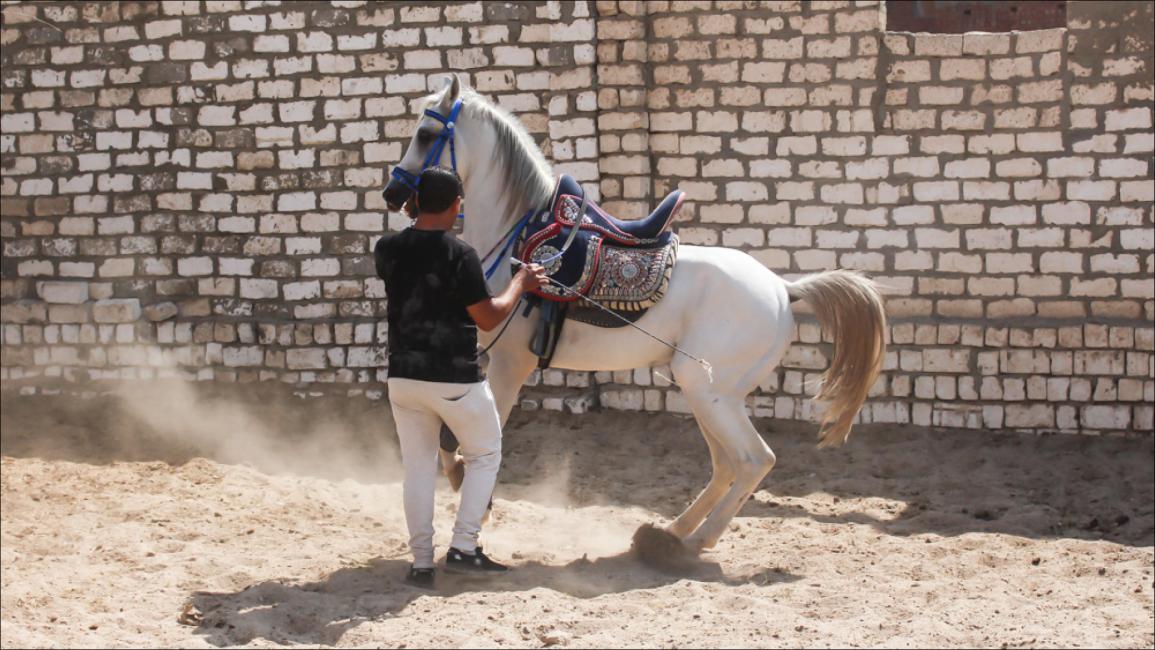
(437, 189)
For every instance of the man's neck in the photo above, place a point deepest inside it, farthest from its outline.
(432, 221)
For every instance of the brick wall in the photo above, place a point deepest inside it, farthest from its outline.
(192, 188)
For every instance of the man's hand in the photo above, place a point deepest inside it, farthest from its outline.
(530, 277)
(491, 312)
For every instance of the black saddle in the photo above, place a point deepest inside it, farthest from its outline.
(622, 265)
(577, 259)
(624, 232)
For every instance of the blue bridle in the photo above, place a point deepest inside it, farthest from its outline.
(413, 180)
(446, 136)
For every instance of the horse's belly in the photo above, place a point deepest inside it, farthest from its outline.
(586, 347)
(715, 296)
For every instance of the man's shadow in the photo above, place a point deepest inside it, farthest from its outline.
(321, 612)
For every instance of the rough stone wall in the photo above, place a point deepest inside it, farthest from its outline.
(192, 188)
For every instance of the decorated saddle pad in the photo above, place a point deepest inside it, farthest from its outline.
(625, 266)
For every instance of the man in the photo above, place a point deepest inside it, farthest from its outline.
(437, 298)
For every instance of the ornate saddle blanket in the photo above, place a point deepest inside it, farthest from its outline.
(624, 265)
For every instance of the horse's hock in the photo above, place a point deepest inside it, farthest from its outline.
(193, 189)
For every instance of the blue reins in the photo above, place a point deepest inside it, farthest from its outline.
(513, 235)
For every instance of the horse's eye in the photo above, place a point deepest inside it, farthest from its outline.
(424, 137)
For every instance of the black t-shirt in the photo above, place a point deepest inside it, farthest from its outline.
(430, 278)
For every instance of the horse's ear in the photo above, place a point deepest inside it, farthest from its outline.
(454, 87)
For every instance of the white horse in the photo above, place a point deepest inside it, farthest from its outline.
(721, 305)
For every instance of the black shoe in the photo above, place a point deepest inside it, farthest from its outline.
(462, 562)
(420, 578)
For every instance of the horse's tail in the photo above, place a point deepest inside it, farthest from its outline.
(850, 309)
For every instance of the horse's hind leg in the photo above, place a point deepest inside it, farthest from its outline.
(749, 455)
(720, 482)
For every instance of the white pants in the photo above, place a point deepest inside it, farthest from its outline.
(419, 408)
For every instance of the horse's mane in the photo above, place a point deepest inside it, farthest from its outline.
(529, 177)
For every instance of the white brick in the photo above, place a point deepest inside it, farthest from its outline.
(307, 290)
(936, 238)
(147, 52)
(217, 116)
(1018, 167)
(296, 201)
(743, 237)
(1073, 212)
(797, 145)
(235, 266)
(69, 293)
(442, 36)
(194, 266)
(1091, 190)
(1040, 141)
(1068, 167)
(746, 191)
(1137, 191)
(1106, 417)
(320, 267)
(890, 145)
(843, 193)
(296, 111)
(1122, 168)
(186, 50)
(271, 43)
(764, 72)
(508, 55)
(923, 166)
(968, 168)
(936, 191)
(257, 289)
(248, 23)
(1128, 118)
(159, 29)
(251, 355)
(18, 122)
(848, 146)
(1013, 215)
(117, 310)
(305, 358)
(314, 42)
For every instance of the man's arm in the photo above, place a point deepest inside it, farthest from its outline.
(379, 257)
(491, 312)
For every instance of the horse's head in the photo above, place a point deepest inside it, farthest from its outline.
(427, 146)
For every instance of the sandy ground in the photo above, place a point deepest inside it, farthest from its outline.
(192, 522)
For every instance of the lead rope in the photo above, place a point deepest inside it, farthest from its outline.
(701, 362)
(512, 315)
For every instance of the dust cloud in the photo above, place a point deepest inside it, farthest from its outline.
(332, 438)
(266, 426)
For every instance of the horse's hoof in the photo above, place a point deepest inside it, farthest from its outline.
(659, 548)
(456, 474)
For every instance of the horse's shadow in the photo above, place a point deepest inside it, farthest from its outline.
(321, 612)
(939, 482)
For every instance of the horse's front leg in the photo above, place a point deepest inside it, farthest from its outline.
(510, 364)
